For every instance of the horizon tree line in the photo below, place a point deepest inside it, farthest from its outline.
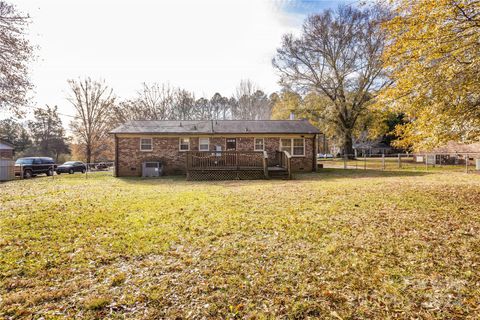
(351, 68)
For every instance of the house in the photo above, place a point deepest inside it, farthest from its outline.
(453, 147)
(371, 148)
(215, 149)
(450, 153)
(6, 150)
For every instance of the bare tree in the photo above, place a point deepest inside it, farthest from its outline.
(156, 101)
(338, 56)
(220, 107)
(92, 101)
(48, 133)
(15, 53)
(252, 103)
(183, 105)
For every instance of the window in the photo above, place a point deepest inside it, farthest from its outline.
(146, 144)
(184, 144)
(286, 145)
(231, 144)
(259, 144)
(203, 144)
(24, 161)
(296, 147)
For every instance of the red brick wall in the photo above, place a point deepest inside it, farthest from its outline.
(6, 154)
(166, 150)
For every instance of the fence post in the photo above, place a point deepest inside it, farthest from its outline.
(426, 161)
(399, 161)
(364, 161)
(466, 163)
(344, 161)
(383, 161)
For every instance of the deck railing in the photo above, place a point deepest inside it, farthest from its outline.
(284, 159)
(226, 160)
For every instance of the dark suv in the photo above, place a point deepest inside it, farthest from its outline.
(31, 166)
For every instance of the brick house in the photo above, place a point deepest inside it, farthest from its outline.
(221, 145)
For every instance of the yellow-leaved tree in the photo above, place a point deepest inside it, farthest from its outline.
(433, 59)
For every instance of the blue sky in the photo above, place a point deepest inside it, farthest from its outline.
(203, 46)
(306, 7)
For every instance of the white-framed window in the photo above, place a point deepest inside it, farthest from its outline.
(184, 144)
(204, 144)
(286, 145)
(259, 144)
(296, 146)
(146, 144)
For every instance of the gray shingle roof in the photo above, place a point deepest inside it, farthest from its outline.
(4, 145)
(216, 126)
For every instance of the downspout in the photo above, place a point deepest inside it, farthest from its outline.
(116, 155)
(315, 151)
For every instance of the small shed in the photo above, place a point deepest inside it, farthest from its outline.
(7, 165)
(6, 150)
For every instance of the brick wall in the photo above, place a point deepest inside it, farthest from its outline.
(6, 153)
(166, 151)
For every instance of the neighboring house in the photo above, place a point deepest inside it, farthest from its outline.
(6, 150)
(371, 148)
(453, 147)
(450, 153)
(218, 148)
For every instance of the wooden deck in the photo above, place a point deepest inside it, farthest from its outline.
(234, 165)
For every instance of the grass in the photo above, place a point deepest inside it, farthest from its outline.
(340, 244)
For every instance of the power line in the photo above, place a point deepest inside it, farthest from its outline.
(38, 108)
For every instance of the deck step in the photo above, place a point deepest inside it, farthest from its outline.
(277, 173)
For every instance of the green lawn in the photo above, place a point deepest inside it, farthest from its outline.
(340, 244)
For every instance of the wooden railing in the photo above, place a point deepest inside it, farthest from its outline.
(265, 164)
(226, 160)
(284, 159)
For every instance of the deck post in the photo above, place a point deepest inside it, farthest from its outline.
(265, 164)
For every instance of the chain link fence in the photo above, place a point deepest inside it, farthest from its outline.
(404, 161)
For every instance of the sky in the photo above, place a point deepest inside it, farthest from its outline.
(202, 46)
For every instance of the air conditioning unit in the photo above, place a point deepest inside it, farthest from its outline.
(151, 169)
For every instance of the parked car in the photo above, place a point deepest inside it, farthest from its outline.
(71, 167)
(31, 166)
(101, 166)
(325, 156)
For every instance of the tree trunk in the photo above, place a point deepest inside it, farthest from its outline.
(348, 144)
(89, 154)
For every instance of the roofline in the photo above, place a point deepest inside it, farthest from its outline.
(7, 144)
(220, 120)
(210, 133)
